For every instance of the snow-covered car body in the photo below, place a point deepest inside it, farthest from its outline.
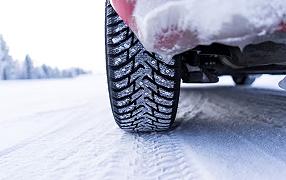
(170, 27)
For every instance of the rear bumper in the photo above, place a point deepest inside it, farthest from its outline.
(170, 27)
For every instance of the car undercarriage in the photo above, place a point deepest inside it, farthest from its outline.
(204, 64)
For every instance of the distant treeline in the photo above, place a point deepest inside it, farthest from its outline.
(11, 69)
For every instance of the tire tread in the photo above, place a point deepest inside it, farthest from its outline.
(143, 87)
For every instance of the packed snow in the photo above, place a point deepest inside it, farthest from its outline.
(169, 27)
(64, 129)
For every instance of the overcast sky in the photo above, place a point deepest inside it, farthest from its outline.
(60, 33)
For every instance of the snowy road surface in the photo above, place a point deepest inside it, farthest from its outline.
(63, 129)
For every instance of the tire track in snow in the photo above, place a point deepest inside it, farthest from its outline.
(263, 114)
(229, 136)
(58, 119)
(38, 152)
(160, 156)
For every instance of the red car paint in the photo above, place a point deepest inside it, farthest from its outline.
(125, 10)
(282, 27)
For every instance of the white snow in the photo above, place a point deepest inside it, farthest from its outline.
(63, 129)
(23, 102)
(193, 22)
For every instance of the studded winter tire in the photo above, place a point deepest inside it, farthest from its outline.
(143, 87)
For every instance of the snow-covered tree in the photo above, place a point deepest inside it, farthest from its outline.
(5, 59)
(39, 73)
(28, 68)
(11, 70)
(48, 71)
